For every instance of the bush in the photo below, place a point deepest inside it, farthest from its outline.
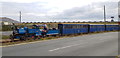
(6, 28)
(5, 36)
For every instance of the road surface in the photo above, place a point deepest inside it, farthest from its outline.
(6, 32)
(102, 44)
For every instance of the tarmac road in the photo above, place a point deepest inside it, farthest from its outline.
(102, 44)
(6, 32)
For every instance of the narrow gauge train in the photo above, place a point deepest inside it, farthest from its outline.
(36, 31)
(31, 31)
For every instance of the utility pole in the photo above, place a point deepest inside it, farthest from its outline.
(104, 14)
(20, 16)
(104, 17)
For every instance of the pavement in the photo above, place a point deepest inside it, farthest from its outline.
(102, 44)
(5, 32)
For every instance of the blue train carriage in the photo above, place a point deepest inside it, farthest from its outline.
(96, 27)
(112, 27)
(53, 32)
(73, 28)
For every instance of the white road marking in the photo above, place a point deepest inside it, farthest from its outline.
(64, 47)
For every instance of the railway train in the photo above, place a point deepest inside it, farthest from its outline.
(38, 31)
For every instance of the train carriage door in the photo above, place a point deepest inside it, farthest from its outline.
(88, 28)
(60, 27)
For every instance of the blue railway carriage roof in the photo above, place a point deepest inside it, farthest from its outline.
(96, 24)
(112, 24)
(73, 24)
(103, 24)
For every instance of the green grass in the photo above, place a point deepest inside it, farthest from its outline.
(5, 36)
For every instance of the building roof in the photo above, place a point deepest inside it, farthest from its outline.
(5, 19)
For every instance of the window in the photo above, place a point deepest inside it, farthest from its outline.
(67, 27)
(85, 26)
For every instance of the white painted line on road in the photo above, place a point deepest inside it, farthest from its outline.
(64, 47)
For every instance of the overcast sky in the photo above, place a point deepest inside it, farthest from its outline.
(59, 10)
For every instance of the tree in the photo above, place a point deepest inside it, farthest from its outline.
(112, 19)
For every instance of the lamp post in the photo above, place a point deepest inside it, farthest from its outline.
(104, 18)
(20, 16)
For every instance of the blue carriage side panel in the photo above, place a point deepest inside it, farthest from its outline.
(116, 27)
(73, 28)
(53, 32)
(93, 28)
(97, 28)
(119, 27)
(109, 27)
(84, 29)
(100, 28)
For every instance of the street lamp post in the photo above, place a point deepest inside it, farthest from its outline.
(104, 18)
(20, 16)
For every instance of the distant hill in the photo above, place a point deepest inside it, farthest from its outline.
(5, 19)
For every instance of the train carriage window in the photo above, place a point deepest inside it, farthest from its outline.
(74, 26)
(67, 27)
(100, 26)
(92, 26)
(85, 26)
(70, 26)
(79, 26)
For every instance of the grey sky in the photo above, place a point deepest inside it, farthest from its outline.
(59, 10)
